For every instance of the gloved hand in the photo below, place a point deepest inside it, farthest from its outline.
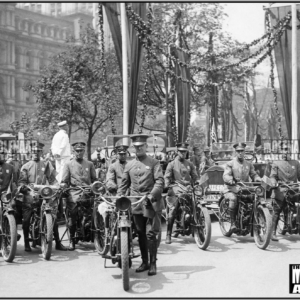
(231, 182)
(258, 179)
(23, 189)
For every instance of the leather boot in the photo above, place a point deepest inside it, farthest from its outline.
(27, 247)
(233, 228)
(58, 244)
(153, 251)
(143, 243)
(72, 238)
(169, 230)
(274, 224)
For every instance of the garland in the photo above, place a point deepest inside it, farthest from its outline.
(107, 96)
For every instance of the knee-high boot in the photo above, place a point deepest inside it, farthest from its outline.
(26, 238)
(153, 252)
(143, 243)
(232, 214)
(169, 230)
(58, 244)
(72, 230)
(275, 220)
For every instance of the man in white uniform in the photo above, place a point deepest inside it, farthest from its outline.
(61, 149)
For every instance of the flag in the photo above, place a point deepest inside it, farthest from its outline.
(213, 133)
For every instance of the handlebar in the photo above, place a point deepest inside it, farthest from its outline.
(117, 197)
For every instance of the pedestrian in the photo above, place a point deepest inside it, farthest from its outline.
(143, 176)
(61, 149)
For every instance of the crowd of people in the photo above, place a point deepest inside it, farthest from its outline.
(140, 176)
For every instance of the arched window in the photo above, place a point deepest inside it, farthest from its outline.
(27, 60)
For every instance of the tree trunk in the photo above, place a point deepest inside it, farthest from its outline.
(89, 144)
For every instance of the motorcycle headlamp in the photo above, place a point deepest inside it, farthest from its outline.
(260, 191)
(123, 203)
(207, 191)
(198, 190)
(47, 192)
(98, 188)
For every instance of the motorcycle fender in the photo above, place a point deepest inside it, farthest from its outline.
(222, 197)
(124, 223)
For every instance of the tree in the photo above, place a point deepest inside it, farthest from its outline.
(73, 87)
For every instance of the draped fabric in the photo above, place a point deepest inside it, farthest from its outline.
(135, 50)
(283, 57)
(183, 95)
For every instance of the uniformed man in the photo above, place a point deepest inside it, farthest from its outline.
(184, 171)
(76, 172)
(205, 161)
(285, 170)
(196, 158)
(61, 149)
(143, 176)
(37, 172)
(237, 170)
(12, 159)
(116, 170)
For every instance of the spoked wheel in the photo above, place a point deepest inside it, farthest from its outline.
(225, 218)
(125, 258)
(99, 236)
(34, 230)
(46, 235)
(9, 238)
(262, 227)
(281, 224)
(202, 230)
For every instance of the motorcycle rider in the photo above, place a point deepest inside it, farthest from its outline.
(37, 172)
(77, 172)
(205, 161)
(287, 171)
(143, 176)
(238, 169)
(184, 171)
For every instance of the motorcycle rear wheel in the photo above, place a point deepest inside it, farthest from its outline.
(125, 258)
(202, 233)
(225, 218)
(9, 240)
(262, 230)
(99, 236)
(46, 235)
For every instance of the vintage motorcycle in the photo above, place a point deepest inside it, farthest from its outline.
(118, 241)
(192, 216)
(85, 228)
(8, 229)
(253, 214)
(45, 203)
(289, 221)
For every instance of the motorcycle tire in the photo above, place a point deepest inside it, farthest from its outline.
(224, 219)
(99, 236)
(202, 233)
(9, 240)
(46, 235)
(125, 258)
(263, 231)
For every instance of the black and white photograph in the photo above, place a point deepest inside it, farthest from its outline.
(149, 150)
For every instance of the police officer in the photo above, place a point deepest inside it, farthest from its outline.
(196, 159)
(285, 170)
(237, 170)
(143, 176)
(205, 161)
(37, 172)
(184, 171)
(61, 149)
(77, 172)
(116, 170)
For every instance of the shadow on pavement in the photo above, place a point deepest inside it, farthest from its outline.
(141, 283)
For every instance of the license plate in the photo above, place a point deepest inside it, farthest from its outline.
(124, 223)
(216, 187)
(211, 197)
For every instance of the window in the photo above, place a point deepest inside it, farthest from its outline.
(27, 60)
(39, 8)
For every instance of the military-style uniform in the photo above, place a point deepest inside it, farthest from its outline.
(286, 171)
(178, 170)
(205, 162)
(114, 176)
(6, 175)
(143, 176)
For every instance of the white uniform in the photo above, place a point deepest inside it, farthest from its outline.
(61, 146)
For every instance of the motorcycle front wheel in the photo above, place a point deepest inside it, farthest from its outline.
(9, 238)
(46, 235)
(99, 236)
(125, 258)
(262, 227)
(224, 220)
(202, 230)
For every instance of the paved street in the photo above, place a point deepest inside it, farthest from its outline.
(231, 267)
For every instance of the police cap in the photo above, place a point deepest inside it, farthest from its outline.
(79, 145)
(139, 139)
(239, 146)
(182, 146)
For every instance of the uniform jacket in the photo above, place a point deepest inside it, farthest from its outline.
(61, 144)
(180, 170)
(6, 174)
(37, 172)
(234, 169)
(284, 170)
(114, 175)
(207, 161)
(143, 175)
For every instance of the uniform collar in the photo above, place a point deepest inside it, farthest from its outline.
(141, 157)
